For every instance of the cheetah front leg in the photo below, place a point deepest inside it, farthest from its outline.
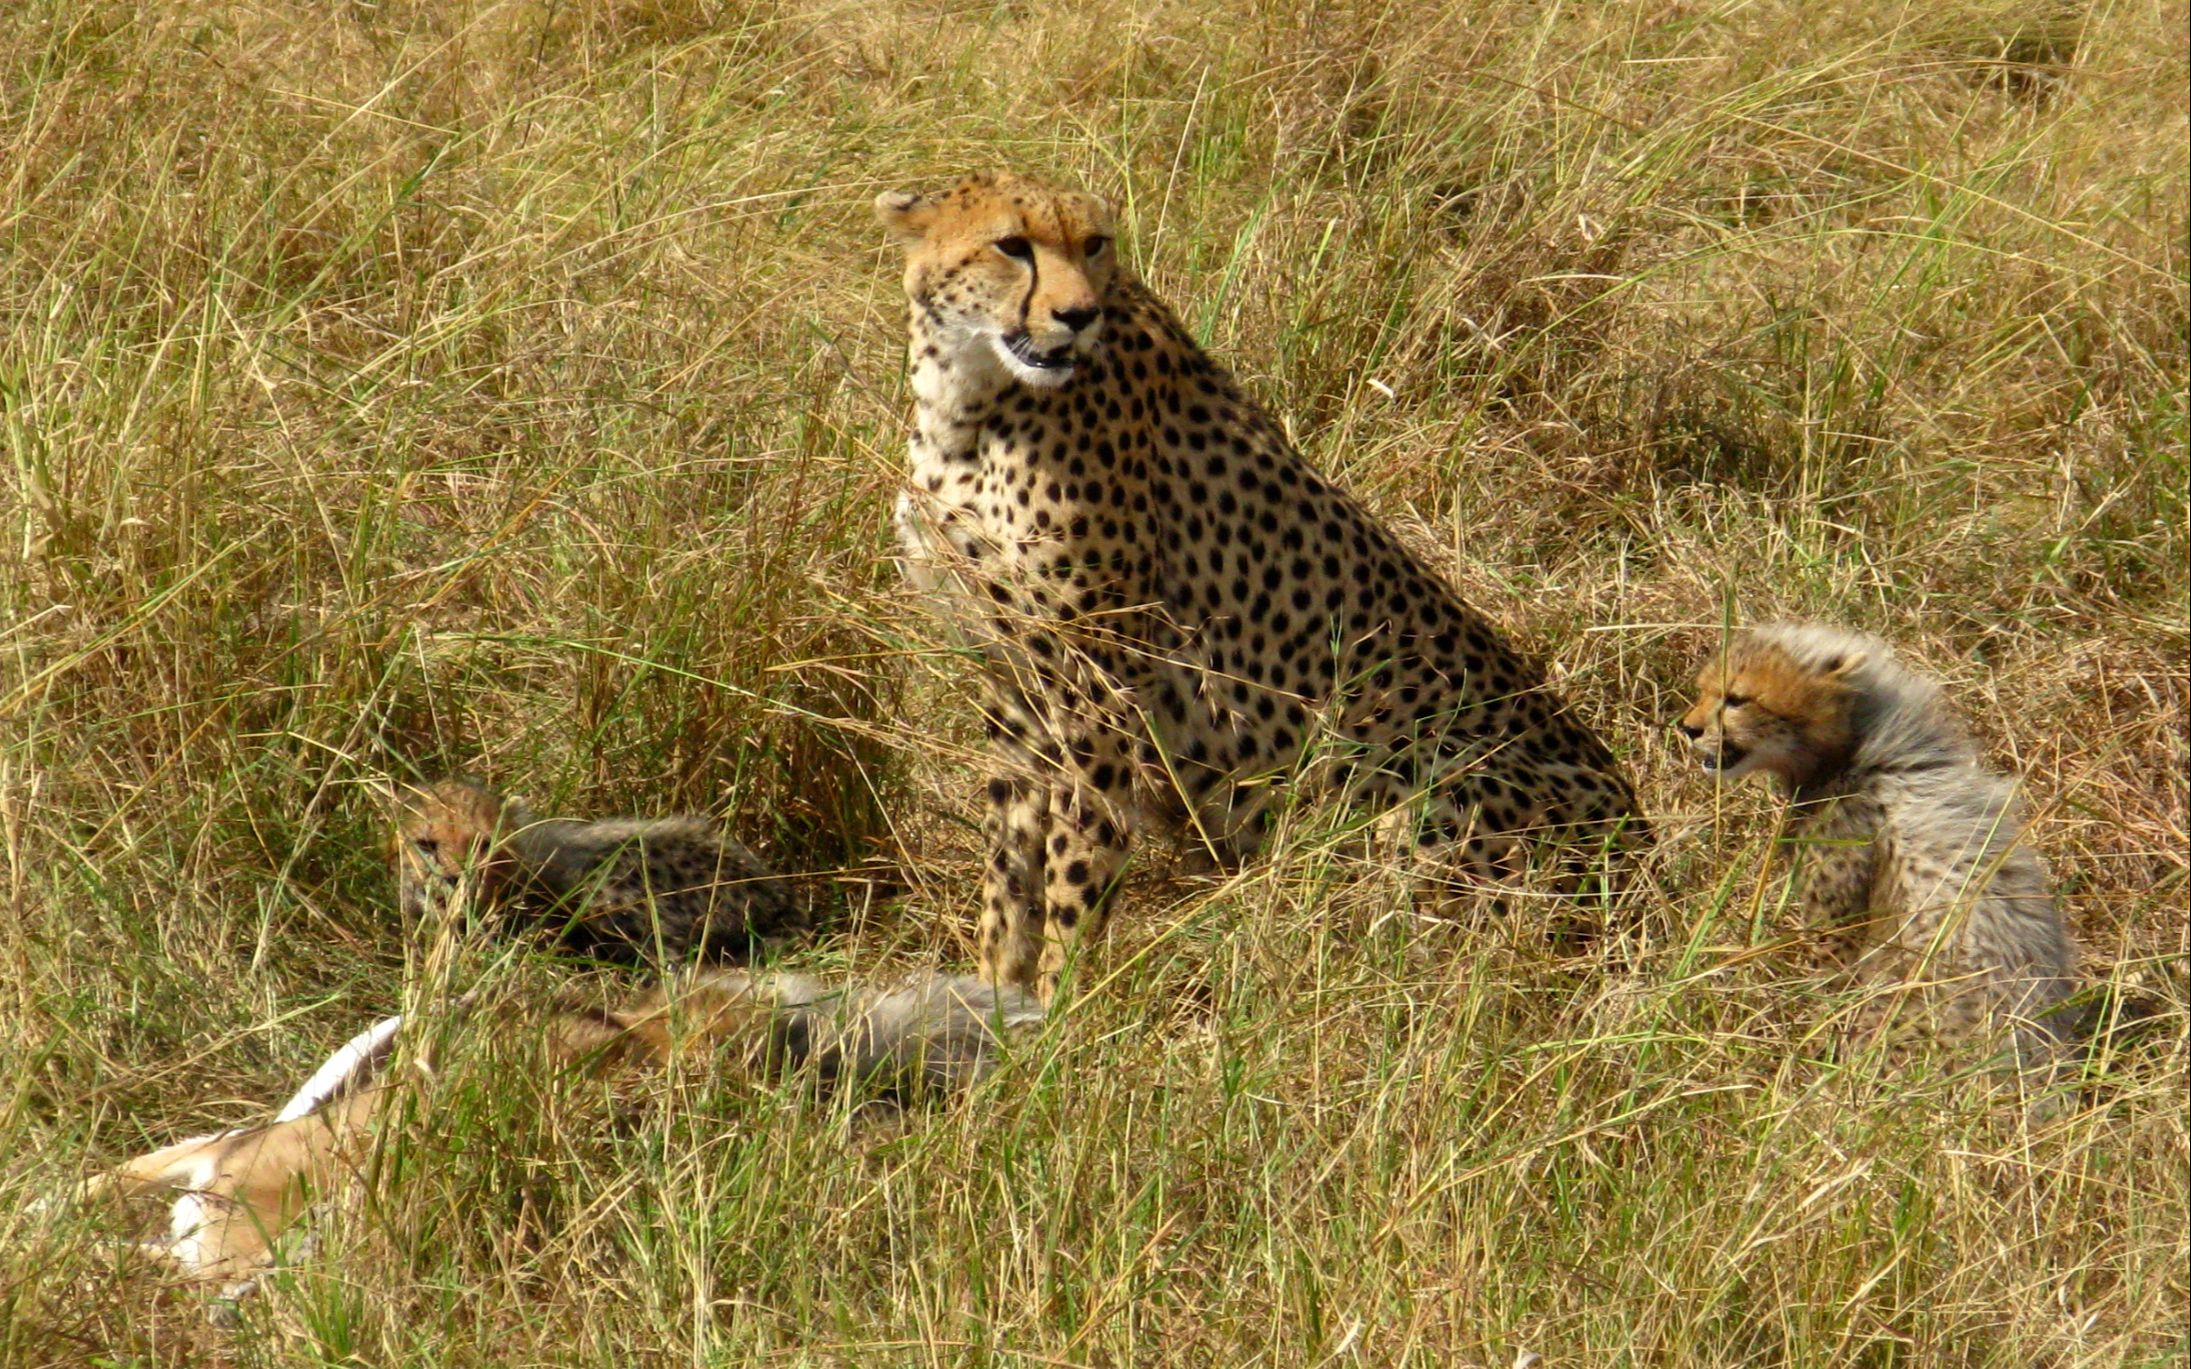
(1484, 841)
(1090, 834)
(1012, 923)
(1838, 861)
(1456, 864)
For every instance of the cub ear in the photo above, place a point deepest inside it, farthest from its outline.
(905, 215)
(1842, 667)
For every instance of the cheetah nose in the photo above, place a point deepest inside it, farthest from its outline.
(1078, 319)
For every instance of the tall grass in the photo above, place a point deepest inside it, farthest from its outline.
(409, 387)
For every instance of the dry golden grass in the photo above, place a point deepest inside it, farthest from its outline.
(412, 386)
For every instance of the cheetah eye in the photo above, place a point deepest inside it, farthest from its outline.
(1094, 247)
(1733, 700)
(427, 847)
(1015, 247)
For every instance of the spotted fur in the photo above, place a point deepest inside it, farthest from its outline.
(1178, 612)
(1910, 851)
(625, 889)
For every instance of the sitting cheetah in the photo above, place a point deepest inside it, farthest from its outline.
(620, 889)
(1167, 593)
(1910, 850)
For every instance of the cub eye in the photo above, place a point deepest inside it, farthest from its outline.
(1094, 247)
(427, 847)
(1016, 247)
(1733, 700)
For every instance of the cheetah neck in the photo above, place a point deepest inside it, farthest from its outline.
(1891, 740)
(1864, 767)
(956, 382)
(544, 846)
(1826, 776)
(1902, 736)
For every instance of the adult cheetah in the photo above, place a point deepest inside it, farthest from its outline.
(1166, 592)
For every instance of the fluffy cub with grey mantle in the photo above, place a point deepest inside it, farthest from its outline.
(1910, 849)
(624, 889)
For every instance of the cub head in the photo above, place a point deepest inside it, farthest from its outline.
(1763, 709)
(445, 834)
(1006, 271)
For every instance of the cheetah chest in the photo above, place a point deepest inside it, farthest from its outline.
(1054, 529)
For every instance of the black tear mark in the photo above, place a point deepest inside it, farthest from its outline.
(1027, 301)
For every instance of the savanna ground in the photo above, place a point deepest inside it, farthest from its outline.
(409, 387)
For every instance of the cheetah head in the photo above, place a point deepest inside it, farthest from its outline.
(1762, 711)
(1007, 272)
(445, 843)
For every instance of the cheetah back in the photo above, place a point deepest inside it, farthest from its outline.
(619, 885)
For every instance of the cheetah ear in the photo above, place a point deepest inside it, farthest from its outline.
(905, 215)
(1842, 667)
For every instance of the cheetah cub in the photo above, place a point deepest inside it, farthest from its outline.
(625, 889)
(1177, 614)
(1909, 849)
